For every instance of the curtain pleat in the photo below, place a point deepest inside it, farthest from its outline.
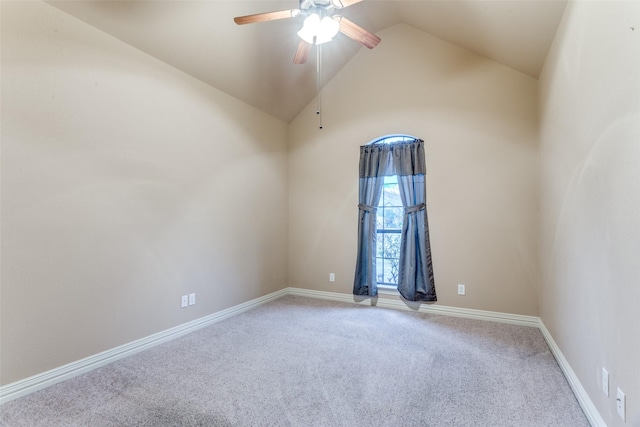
(376, 160)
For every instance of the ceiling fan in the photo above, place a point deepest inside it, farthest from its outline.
(320, 24)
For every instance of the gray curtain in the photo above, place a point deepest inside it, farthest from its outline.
(375, 162)
(405, 159)
(415, 278)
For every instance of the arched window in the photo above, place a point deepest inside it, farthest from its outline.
(389, 217)
(393, 231)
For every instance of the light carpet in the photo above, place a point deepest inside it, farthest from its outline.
(307, 362)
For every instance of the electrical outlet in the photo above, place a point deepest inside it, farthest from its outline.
(461, 290)
(332, 277)
(605, 382)
(621, 404)
(185, 301)
(192, 299)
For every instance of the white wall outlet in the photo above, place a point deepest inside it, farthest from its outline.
(185, 301)
(192, 299)
(605, 382)
(461, 290)
(621, 404)
(332, 277)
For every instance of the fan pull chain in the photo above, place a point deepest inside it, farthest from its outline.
(318, 99)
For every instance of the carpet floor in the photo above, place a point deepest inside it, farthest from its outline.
(307, 362)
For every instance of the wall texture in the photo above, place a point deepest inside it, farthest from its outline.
(590, 199)
(125, 184)
(479, 120)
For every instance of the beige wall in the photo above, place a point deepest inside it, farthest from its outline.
(590, 204)
(479, 121)
(125, 184)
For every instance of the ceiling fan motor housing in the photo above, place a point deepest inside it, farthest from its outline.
(326, 5)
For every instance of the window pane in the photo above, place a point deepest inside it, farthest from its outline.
(391, 245)
(388, 222)
(380, 218)
(390, 271)
(393, 218)
(380, 270)
(395, 243)
(380, 245)
(391, 195)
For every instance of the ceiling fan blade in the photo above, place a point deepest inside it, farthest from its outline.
(356, 32)
(268, 16)
(341, 4)
(302, 54)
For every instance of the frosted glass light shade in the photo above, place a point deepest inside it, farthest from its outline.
(310, 28)
(328, 29)
(320, 31)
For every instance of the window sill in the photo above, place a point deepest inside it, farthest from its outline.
(388, 290)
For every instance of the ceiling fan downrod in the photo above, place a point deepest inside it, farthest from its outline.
(318, 86)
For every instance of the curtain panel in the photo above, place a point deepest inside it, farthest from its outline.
(407, 161)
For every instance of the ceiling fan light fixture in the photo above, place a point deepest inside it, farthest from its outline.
(318, 30)
(310, 28)
(327, 30)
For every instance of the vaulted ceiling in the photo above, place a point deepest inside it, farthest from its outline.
(254, 63)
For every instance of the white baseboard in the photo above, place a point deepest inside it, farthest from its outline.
(589, 409)
(46, 379)
(398, 303)
(56, 375)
